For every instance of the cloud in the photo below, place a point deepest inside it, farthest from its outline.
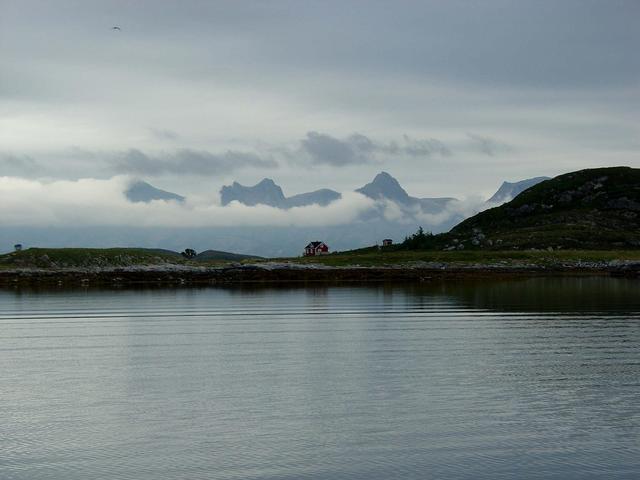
(164, 134)
(454, 211)
(488, 145)
(95, 202)
(18, 164)
(222, 77)
(424, 148)
(357, 148)
(188, 162)
(332, 151)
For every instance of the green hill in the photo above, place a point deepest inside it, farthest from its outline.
(588, 209)
(589, 215)
(88, 257)
(109, 257)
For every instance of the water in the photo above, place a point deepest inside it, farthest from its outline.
(514, 379)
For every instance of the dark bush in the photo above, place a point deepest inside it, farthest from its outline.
(420, 240)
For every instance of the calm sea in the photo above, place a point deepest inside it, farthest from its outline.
(516, 379)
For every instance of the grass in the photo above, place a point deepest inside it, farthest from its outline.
(87, 257)
(588, 209)
(102, 257)
(110, 257)
(372, 257)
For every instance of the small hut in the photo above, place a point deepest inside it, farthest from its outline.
(316, 248)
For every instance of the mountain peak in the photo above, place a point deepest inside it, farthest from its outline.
(510, 190)
(267, 182)
(385, 178)
(385, 186)
(382, 175)
(265, 192)
(141, 191)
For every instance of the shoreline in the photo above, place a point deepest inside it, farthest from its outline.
(282, 273)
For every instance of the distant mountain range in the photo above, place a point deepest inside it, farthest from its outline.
(382, 187)
(381, 221)
(267, 192)
(598, 208)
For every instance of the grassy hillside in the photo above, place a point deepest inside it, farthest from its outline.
(589, 209)
(384, 257)
(88, 257)
(585, 216)
(111, 257)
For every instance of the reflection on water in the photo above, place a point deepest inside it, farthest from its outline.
(515, 379)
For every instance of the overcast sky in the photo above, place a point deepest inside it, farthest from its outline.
(451, 97)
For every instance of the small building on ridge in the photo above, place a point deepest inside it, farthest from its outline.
(316, 248)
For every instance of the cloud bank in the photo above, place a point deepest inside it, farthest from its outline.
(96, 202)
(93, 202)
(188, 162)
(218, 78)
(489, 146)
(358, 148)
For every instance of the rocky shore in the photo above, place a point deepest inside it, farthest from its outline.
(283, 273)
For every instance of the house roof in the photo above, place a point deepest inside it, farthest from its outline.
(315, 244)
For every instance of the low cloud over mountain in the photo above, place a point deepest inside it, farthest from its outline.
(260, 217)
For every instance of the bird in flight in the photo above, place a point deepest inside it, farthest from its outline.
(116, 28)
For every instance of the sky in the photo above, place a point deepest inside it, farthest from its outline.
(450, 97)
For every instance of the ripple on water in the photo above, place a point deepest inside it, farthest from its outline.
(454, 381)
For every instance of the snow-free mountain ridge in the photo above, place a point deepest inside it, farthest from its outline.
(385, 187)
(267, 192)
(140, 191)
(510, 190)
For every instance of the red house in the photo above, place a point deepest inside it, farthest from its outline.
(316, 248)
